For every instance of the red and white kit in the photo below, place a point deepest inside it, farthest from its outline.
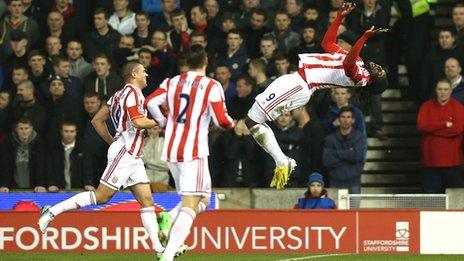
(192, 100)
(291, 91)
(125, 166)
(336, 68)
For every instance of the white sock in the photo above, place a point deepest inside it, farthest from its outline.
(201, 207)
(179, 231)
(150, 223)
(265, 138)
(175, 211)
(80, 200)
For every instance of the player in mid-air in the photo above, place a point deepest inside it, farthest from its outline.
(125, 167)
(335, 68)
(192, 99)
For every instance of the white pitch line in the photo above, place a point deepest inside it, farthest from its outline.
(311, 257)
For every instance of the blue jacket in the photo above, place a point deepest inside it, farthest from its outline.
(343, 156)
(322, 202)
(236, 63)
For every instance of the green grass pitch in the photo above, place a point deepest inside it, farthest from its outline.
(222, 257)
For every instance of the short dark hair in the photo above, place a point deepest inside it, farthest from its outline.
(68, 123)
(235, 31)
(177, 12)
(102, 11)
(36, 53)
(145, 50)
(24, 120)
(143, 13)
(102, 56)
(345, 109)
(127, 70)
(444, 80)
(280, 56)
(246, 78)
(196, 56)
(201, 8)
(57, 59)
(260, 12)
(91, 94)
(20, 67)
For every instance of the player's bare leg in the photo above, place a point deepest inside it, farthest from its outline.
(181, 227)
(264, 136)
(142, 192)
(100, 196)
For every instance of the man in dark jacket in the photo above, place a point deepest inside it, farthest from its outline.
(311, 142)
(102, 39)
(65, 162)
(235, 56)
(103, 81)
(22, 161)
(343, 154)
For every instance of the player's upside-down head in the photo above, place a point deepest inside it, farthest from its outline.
(379, 81)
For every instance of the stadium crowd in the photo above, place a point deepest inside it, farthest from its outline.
(60, 61)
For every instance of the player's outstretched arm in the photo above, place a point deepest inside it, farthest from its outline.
(329, 43)
(99, 123)
(349, 64)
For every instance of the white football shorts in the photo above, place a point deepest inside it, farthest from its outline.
(284, 94)
(123, 170)
(192, 177)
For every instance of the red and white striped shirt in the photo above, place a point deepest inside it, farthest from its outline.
(126, 105)
(325, 70)
(192, 100)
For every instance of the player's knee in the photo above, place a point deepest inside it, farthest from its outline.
(250, 123)
(102, 199)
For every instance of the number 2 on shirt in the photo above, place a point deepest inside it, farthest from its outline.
(180, 118)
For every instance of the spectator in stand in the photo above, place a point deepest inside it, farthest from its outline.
(155, 7)
(5, 100)
(124, 52)
(237, 147)
(312, 15)
(26, 106)
(257, 71)
(157, 169)
(162, 21)
(178, 37)
(142, 33)
(214, 13)
(79, 67)
(55, 27)
(94, 146)
(162, 60)
(65, 168)
(341, 98)
(286, 38)
(235, 56)
(218, 41)
(18, 43)
(255, 31)
(316, 196)
(310, 41)
(294, 9)
(73, 23)
(441, 121)
(61, 108)
(343, 154)
(199, 21)
(72, 84)
(123, 19)
(39, 73)
(311, 142)
(433, 66)
(102, 39)
(17, 21)
(53, 47)
(243, 15)
(103, 80)
(453, 74)
(268, 47)
(22, 164)
(20, 74)
(222, 75)
(458, 22)
(282, 66)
